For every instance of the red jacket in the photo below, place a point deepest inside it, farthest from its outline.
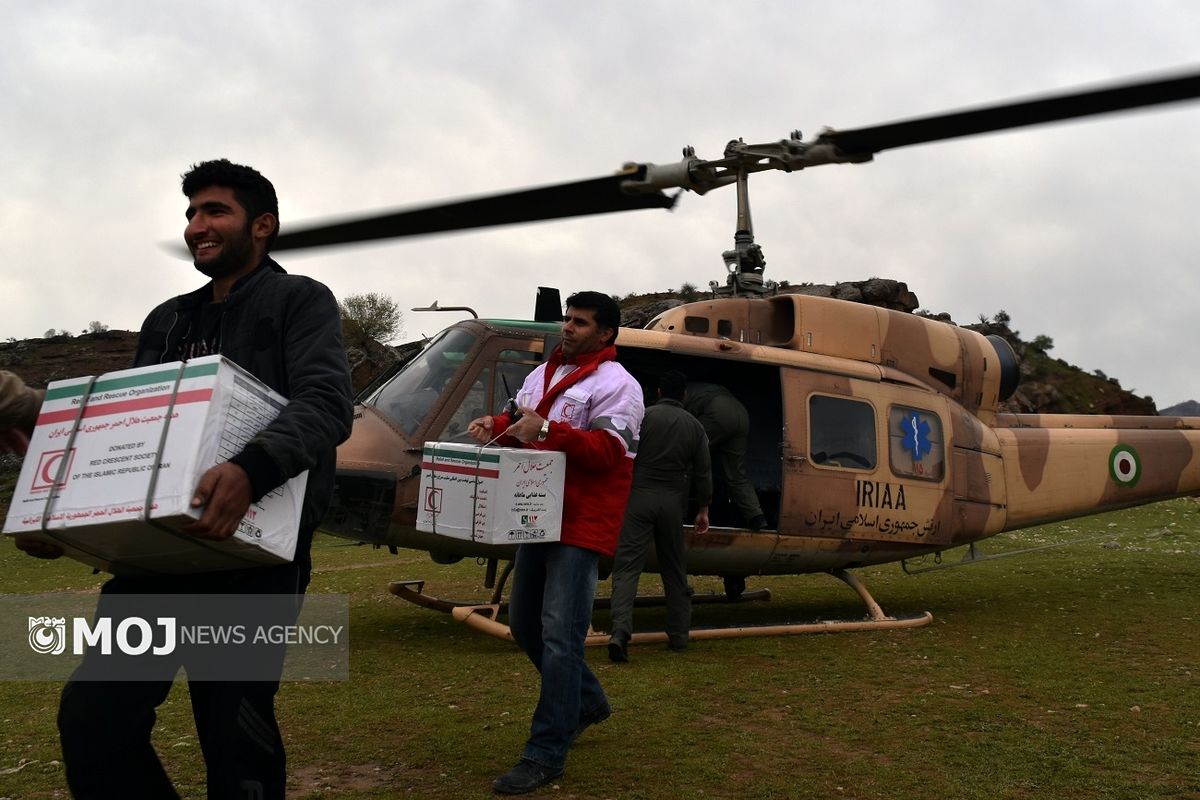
(595, 411)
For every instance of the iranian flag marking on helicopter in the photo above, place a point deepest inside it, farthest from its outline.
(1124, 465)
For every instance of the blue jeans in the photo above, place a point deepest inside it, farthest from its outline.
(549, 611)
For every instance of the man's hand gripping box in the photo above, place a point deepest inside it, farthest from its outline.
(108, 448)
(494, 495)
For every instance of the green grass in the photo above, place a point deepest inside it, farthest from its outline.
(1070, 672)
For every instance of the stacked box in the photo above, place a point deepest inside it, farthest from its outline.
(107, 448)
(493, 495)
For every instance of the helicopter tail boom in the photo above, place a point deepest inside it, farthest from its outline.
(1059, 467)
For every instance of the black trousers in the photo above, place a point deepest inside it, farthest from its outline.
(105, 726)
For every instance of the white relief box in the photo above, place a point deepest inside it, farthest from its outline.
(494, 495)
(107, 447)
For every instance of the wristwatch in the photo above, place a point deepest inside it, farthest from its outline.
(545, 431)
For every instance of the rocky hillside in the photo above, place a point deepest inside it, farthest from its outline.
(40, 361)
(1049, 385)
(1052, 386)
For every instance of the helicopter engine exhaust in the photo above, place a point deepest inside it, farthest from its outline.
(1010, 365)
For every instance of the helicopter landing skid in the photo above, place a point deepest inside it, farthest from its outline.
(485, 618)
(414, 592)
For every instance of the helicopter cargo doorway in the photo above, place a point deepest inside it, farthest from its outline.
(757, 387)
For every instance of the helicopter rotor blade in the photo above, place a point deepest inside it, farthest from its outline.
(864, 141)
(578, 198)
(640, 185)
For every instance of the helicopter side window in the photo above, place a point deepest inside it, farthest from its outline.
(411, 395)
(915, 444)
(841, 432)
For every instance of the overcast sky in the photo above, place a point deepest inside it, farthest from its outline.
(1086, 232)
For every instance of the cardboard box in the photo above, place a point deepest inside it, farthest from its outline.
(108, 447)
(493, 495)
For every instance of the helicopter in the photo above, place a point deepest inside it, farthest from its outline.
(877, 435)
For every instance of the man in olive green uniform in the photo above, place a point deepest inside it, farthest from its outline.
(727, 424)
(672, 455)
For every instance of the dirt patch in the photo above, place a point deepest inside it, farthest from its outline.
(337, 778)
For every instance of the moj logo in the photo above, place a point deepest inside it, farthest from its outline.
(133, 636)
(48, 635)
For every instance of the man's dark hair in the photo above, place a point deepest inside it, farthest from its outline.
(254, 192)
(607, 312)
(672, 385)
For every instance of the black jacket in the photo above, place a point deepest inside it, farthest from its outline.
(286, 331)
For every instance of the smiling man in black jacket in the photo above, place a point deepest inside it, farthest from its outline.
(286, 331)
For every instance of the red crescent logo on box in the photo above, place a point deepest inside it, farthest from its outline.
(433, 500)
(568, 412)
(47, 470)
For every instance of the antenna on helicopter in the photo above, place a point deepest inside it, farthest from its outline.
(434, 307)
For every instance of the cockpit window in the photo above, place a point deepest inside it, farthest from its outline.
(473, 405)
(841, 432)
(528, 356)
(409, 397)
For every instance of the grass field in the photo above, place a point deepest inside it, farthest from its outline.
(1071, 672)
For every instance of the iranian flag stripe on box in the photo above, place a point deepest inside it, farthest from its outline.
(461, 463)
(112, 384)
(137, 404)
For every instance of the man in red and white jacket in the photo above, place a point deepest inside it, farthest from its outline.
(582, 402)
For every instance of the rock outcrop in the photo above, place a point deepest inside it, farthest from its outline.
(1048, 385)
(882, 292)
